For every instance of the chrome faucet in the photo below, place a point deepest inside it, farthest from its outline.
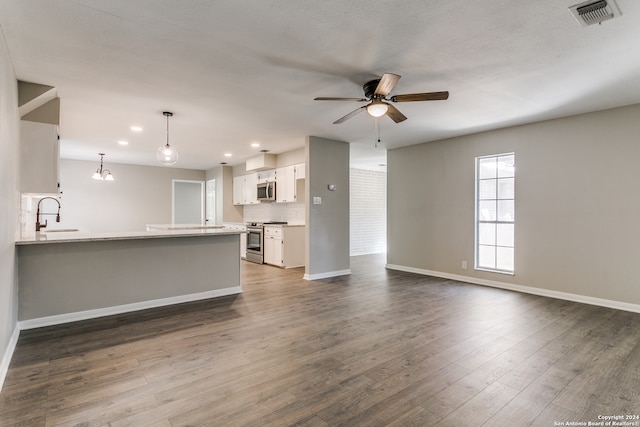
(38, 224)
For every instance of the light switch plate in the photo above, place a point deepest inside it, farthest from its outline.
(317, 200)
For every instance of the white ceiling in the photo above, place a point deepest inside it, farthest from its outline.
(240, 71)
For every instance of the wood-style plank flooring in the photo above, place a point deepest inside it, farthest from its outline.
(376, 348)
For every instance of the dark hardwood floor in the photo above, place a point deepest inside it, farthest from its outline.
(376, 348)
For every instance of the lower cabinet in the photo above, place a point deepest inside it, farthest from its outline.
(273, 250)
(284, 246)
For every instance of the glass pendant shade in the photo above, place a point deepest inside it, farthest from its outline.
(377, 108)
(167, 155)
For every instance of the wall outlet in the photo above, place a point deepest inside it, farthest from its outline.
(464, 265)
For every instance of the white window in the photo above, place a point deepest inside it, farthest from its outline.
(495, 213)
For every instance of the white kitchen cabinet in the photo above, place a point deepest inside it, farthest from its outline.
(285, 184)
(289, 187)
(268, 175)
(39, 157)
(245, 190)
(273, 245)
(238, 190)
(284, 246)
(251, 189)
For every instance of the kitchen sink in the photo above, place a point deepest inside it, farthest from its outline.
(60, 230)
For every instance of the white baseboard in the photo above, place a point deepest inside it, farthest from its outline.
(126, 308)
(8, 354)
(618, 305)
(326, 275)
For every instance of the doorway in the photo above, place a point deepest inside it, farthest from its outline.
(210, 202)
(188, 202)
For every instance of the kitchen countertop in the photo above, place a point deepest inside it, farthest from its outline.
(153, 227)
(82, 236)
(284, 225)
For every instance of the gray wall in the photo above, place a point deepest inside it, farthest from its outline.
(577, 204)
(225, 209)
(9, 202)
(139, 195)
(327, 228)
(71, 278)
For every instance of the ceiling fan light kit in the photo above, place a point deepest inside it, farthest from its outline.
(377, 94)
(166, 154)
(377, 108)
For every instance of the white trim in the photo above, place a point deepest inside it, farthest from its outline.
(119, 309)
(326, 275)
(618, 305)
(8, 354)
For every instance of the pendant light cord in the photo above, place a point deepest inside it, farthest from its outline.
(167, 114)
(167, 130)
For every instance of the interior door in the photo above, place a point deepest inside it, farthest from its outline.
(210, 202)
(188, 202)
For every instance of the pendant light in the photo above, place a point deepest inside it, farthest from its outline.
(102, 174)
(166, 154)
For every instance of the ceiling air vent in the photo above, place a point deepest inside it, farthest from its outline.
(594, 12)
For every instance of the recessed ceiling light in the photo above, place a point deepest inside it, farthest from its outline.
(255, 145)
(136, 128)
(123, 142)
(227, 154)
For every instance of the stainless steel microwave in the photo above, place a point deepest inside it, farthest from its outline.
(267, 191)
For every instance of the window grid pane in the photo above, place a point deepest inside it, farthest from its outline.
(495, 213)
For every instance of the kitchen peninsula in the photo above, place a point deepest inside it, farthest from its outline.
(70, 276)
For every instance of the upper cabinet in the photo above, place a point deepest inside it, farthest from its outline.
(251, 189)
(300, 171)
(245, 189)
(268, 175)
(288, 186)
(39, 154)
(285, 185)
(39, 109)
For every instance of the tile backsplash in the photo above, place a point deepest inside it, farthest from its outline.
(293, 213)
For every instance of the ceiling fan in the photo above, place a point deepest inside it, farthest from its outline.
(376, 93)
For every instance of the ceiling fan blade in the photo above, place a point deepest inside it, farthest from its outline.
(386, 84)
(348, 116)
(428, 96)
(395, 114)
(331, 98)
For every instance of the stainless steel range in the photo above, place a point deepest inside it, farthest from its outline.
(255, 240)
